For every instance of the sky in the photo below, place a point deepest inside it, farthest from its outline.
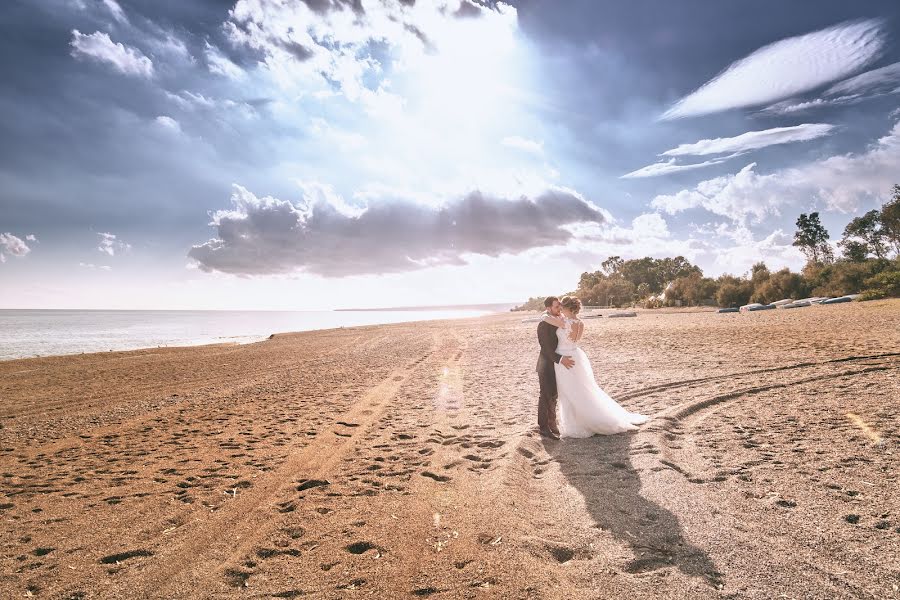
(317, 154)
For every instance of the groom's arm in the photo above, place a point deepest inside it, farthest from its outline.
(548, 340)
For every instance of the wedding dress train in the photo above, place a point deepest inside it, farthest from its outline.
(584, 408)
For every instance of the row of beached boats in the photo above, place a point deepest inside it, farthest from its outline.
(789, 303)
(589, 314)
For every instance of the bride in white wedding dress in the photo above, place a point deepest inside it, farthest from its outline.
(584, 408)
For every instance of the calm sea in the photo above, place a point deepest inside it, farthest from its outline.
(26, 333)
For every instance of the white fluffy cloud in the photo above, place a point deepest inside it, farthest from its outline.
(110, 244)
(840, 182)
(14, 246)
(260, 236)
(786, 68)
(736, 249)
(98, 46)
(753, 140)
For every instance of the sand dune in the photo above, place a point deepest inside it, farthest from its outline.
(401, 461)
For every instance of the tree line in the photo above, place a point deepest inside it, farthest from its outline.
(869, 264)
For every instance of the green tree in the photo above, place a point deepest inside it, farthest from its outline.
(612, 291)
(890, 220)
(733, 291)
(671, 269)
(642, 270)
(780, 285)
(589, 280)
(854, 251)
(812, 239)
(865, 230)
(885, 284)
(759, 273)
(691, 290)
(612, 265)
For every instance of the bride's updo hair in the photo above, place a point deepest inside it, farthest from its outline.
(571, 303)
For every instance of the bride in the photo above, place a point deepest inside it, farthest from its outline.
(584, 408)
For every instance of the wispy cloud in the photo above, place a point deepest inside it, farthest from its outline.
(260, 236)
(98, 46)
(839, 182)
(885, 79)
(94, 267)
(753, 140)
(786, 68)
(671, 166)
(877, 82)
(190, 100)
(113, 7)
(220, 64)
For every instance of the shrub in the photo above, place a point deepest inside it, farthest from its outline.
(883, 285)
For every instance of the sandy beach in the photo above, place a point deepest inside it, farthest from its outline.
(402, 461)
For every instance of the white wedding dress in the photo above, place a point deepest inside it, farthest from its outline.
(584, 408)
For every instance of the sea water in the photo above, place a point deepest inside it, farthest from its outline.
(28, 333)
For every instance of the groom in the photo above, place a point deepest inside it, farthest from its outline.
(547, 372)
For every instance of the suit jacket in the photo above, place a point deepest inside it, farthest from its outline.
(548, 356)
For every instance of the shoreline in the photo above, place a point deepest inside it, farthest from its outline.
(250, 338)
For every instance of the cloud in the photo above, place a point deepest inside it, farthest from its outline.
(792, 106)
(670, 166)
(12, 245)
(742, 249)
(219, 64)
(261, 236)
(168, 123)
(786, 68)
(877, 82)
(350, 48)
(525, 144)
(882, 80)
(98, 46)
(116, 10)
(189, 100)
(30, 238)
(110, 244)
(840, 182)
(753, 140)
(93, 267)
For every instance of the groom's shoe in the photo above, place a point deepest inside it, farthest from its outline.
(550, 434)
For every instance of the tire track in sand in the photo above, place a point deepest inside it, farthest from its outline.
(201, 551)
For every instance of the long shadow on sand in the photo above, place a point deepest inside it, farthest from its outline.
(600, 468)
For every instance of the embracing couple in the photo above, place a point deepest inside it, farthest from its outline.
(565, 375)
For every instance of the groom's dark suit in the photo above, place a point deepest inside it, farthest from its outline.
(547, 376)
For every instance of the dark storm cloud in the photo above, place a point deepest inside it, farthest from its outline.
(262, 236)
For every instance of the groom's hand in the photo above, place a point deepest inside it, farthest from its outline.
(567, 362)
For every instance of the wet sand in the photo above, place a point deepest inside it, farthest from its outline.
(402, 461)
